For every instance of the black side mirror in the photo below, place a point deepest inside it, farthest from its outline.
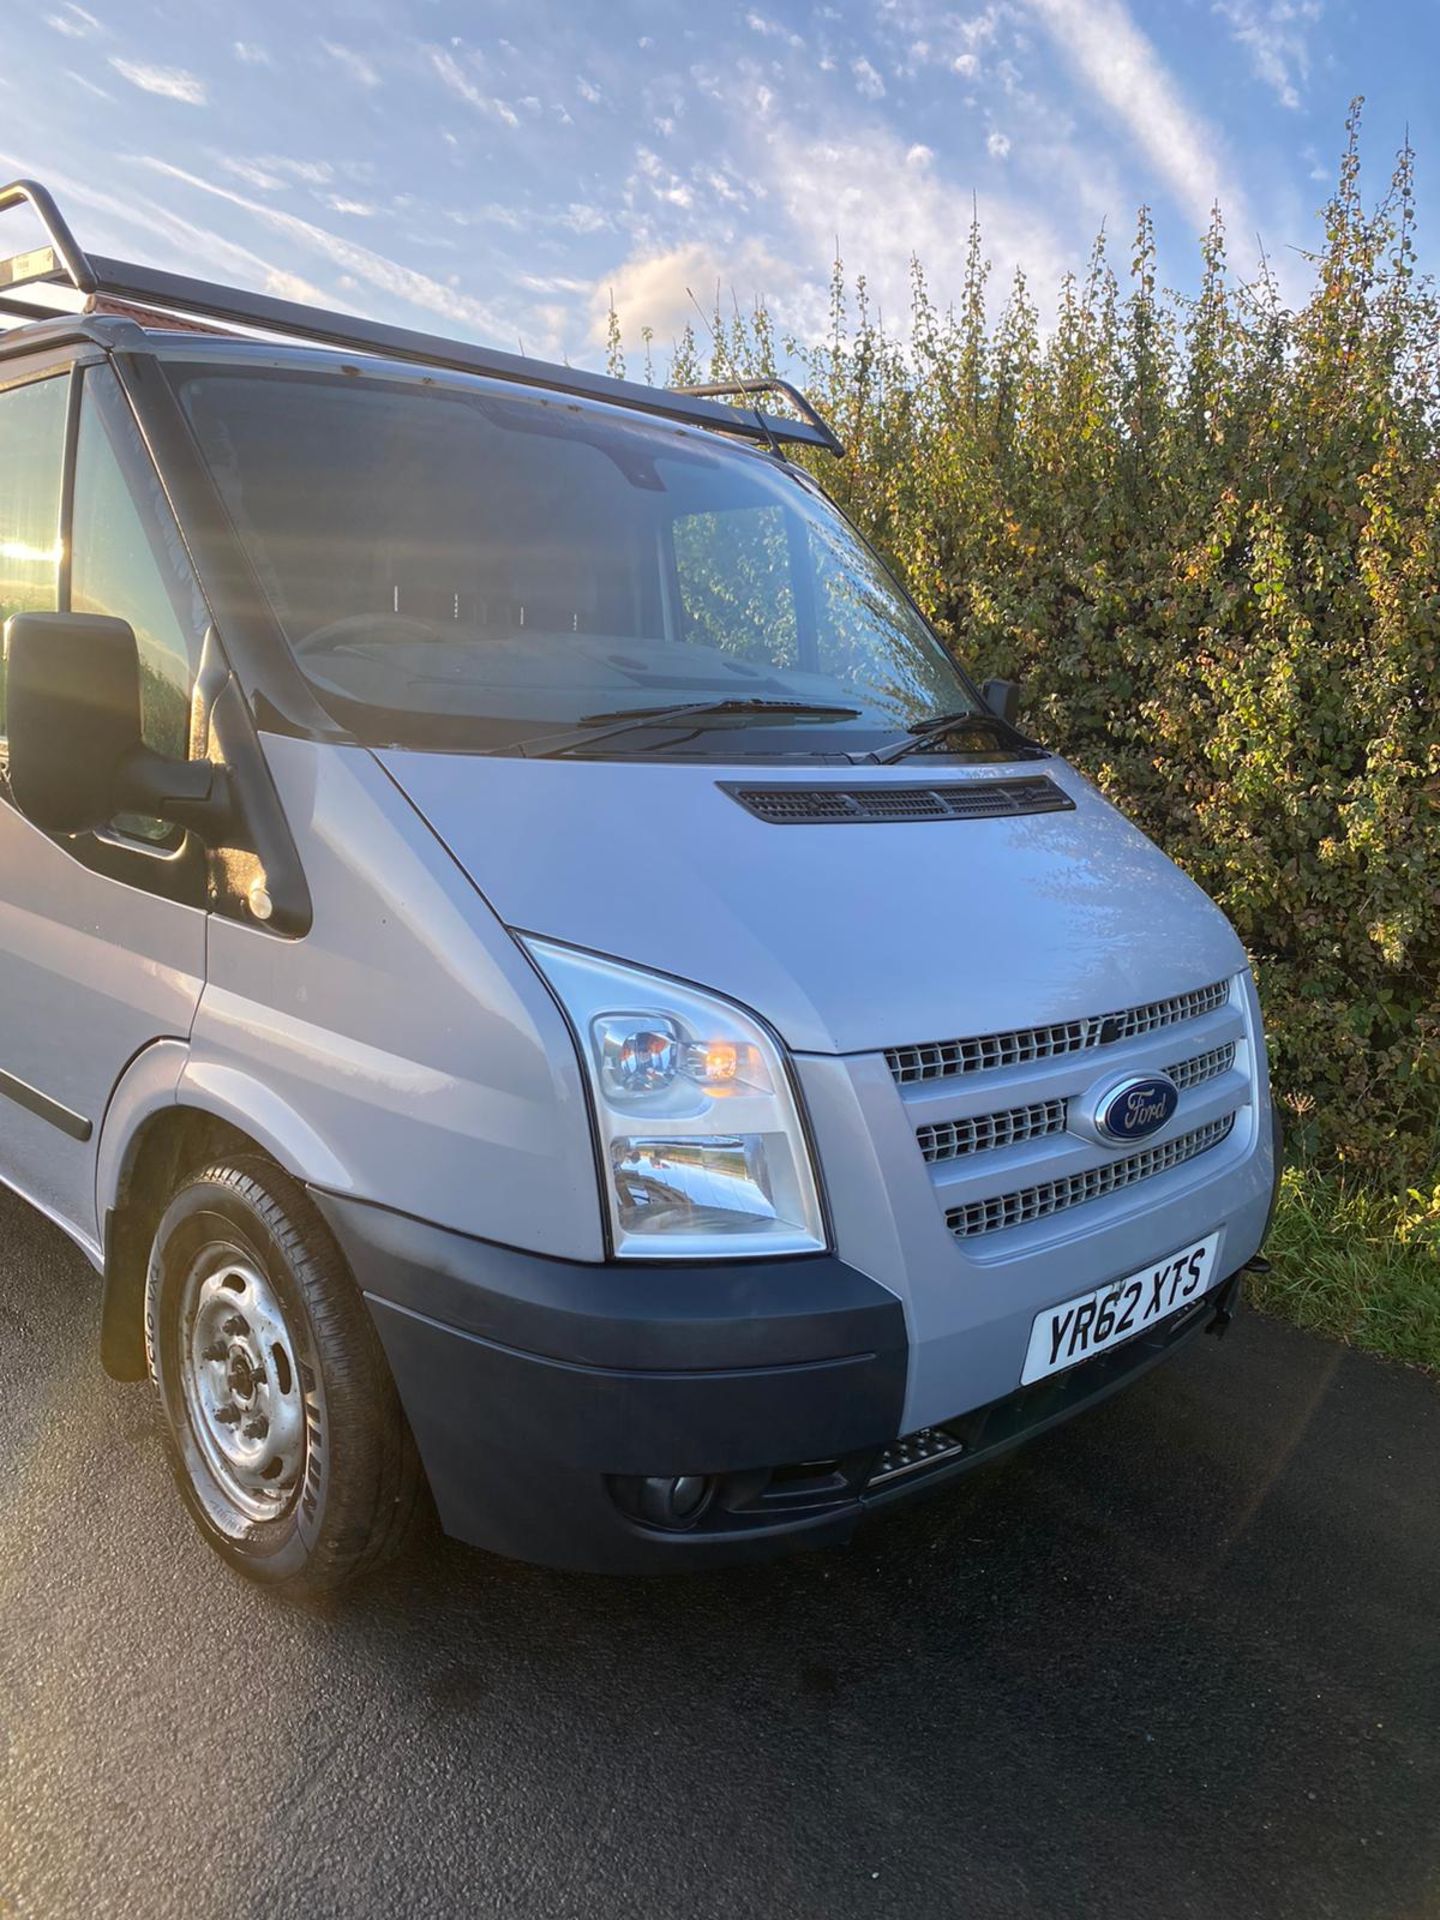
(1002, 697)
(77, 758)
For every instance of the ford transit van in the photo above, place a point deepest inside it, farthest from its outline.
(533, 976)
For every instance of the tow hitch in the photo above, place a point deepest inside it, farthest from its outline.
(1225, 1299)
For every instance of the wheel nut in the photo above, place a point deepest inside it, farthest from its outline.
(217, 1350)
(228, 1416)
(235, 1326)
(256, 1429)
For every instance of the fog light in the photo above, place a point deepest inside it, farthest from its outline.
(673, 1500)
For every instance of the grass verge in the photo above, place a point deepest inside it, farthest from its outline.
(1358, 1265)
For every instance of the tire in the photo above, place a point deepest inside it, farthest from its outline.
(282, 1424)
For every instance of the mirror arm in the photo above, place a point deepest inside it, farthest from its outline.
(194, 794)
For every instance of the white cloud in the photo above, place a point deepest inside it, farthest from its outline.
(580, 218)
(290, 286)
(253, 175)
(171, 83)
(355, 64)
(654, 289)
(663, 182)
(1274, 35)
(74, 22)
(772, 30)
(934, 36)
(314, 173)
(887, 202)
(587, 90)
(450, 72)
(273, 173)
(1123, 69)
(357, 263)
(998, 146)
(250, 53)
(87, 86)
(338, 204)
(201, 248)
(453, 75)
(867, 80)
(554, 283)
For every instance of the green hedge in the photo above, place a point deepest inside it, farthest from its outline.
(1205, 533)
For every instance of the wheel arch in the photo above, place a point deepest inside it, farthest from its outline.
(170, 1114)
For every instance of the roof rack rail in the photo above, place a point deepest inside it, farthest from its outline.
(60, 270)
(771, 383)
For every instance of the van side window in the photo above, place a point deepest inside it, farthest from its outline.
(32, 462)
(127, 561)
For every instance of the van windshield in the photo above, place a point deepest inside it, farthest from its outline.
(464, 569)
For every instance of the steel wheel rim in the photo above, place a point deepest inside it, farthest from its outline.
(241, 1384)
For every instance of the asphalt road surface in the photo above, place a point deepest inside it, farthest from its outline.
(1180, 1658)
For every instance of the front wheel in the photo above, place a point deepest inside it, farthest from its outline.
(282, 1423)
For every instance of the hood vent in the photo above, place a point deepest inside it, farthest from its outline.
(794, 806)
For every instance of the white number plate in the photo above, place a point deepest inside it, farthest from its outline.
(1077, 1329)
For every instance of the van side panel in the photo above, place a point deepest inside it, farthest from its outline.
(405, 1051)
(166, 1076)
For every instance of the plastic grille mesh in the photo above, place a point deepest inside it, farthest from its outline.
(941, 1058)
(1204, 1066)
(1053, 1196)
(949, 1139)
(953, 1139)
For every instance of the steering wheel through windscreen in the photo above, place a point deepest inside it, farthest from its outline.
(401, 627)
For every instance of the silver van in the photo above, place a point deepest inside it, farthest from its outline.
(531, 973)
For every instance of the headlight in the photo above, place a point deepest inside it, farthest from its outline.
(700, 1138)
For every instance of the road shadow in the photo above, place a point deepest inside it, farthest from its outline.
(1177, 1658)
(1189, 1642)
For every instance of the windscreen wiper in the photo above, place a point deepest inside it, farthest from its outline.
(596, 727)
(924, 734)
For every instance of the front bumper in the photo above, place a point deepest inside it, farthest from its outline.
(540, 1390)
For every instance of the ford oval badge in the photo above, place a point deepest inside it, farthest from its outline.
(1137, 1107)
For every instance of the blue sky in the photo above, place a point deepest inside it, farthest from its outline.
(495, 170)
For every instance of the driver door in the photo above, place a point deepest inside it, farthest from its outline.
(102, 936)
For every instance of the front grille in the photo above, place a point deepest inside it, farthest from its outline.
(953, 1139)
(949, 1139)
(1053, 1196)
(942, 1058)
(1205, 1066)
(790, 806)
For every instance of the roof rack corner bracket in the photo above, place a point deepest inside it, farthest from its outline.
(67, 249)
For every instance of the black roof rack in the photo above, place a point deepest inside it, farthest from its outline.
(771, 383)
(61, 270)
